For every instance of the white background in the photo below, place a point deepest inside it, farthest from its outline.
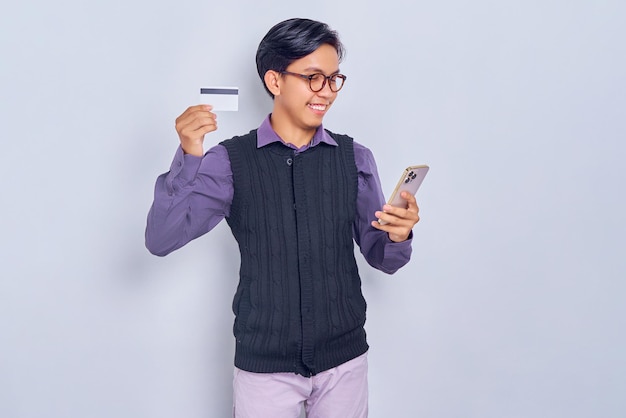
(513, 303)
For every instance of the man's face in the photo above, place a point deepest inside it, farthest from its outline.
(304, 108)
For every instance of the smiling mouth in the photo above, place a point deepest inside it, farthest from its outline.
(318, 107)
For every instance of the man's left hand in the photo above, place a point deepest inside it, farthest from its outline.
(399, 221)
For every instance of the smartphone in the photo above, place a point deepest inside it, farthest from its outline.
(410, 180)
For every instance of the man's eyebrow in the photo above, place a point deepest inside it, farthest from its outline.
(319, 70)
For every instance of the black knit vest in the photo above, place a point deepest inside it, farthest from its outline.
(298, 306)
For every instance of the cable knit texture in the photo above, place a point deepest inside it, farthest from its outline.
(299, 306)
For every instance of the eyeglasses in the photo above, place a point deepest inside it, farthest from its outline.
(317, 81)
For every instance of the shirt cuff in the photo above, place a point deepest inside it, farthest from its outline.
(191, 164)
(184, 169)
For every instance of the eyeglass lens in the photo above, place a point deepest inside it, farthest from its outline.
(318, 82)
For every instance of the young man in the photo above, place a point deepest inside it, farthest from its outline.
(295, 196)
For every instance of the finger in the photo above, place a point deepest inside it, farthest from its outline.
(376, 225)
(193, 114)
(201, 107)
(389, 218)
(396, 233)
(197, 134)
(397, 215)
(411, 202)
(196, 125)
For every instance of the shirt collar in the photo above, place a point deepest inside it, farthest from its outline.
(266, 135)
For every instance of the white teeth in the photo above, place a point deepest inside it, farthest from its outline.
(318, 107)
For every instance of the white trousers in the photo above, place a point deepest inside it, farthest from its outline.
(340, 392)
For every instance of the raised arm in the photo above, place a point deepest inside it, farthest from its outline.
(196, 193)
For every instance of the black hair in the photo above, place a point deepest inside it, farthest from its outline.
(291, 40)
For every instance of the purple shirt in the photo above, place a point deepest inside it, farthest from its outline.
(196, 194)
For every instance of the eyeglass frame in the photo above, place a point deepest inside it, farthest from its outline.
(326, 78)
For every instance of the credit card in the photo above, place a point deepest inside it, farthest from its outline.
(221, 98)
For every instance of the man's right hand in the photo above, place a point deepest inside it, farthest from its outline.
(192, 125)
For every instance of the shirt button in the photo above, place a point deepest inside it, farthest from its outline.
(289, 162)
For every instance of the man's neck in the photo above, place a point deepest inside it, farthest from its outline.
(291, 134)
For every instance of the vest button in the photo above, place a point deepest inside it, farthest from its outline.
(289, 162)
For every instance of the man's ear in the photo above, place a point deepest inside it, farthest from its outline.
(271, 80)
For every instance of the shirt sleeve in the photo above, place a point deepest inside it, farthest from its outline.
(189, 200)
(379, 251)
